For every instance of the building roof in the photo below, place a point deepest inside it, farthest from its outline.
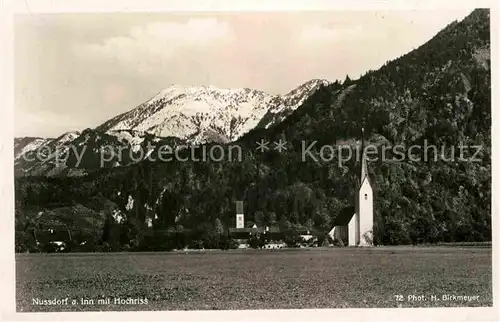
(246, 230)
(363, 166)
(344, 216)
(254, 230)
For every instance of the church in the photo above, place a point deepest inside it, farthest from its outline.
(354, 225)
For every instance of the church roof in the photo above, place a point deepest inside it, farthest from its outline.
(363, 172)
(344, 216)
(363, 169)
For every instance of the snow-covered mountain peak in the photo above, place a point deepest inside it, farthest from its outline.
(195, 113)
(313, 84)
(177, 115)
(68, 137)
(290, 102)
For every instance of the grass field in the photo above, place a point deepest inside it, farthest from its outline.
(300, 278)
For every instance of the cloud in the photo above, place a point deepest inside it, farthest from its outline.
(320, 33)
(148, 47)
(194, 31)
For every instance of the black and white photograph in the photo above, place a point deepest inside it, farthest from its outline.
(206, 160)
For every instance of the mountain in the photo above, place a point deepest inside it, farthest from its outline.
(77, 154)
(439, 95)
(37, 156)
(23, 145)
(435, 99)
(198, 113)
(194, 115)
(290, 102)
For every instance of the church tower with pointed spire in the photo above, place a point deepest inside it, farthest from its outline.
(354, 224)
(364, 202)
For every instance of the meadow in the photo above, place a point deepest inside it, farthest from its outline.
(256, 279)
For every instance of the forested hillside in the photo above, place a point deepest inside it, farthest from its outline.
(438, 93)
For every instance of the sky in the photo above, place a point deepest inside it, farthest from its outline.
(75, 71)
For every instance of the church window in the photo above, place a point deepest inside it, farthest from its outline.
(366, 196)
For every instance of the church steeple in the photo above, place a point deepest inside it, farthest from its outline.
(364, 167)
(364, 214)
